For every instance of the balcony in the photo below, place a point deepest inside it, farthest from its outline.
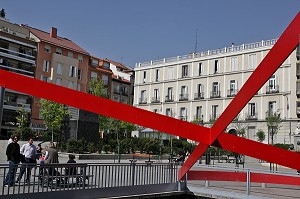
(272, 89)
(117, 91)
(155, 100)
(232, 93)
(298, 93)
(213, 117)
(169, 98)
(21, 56)
(198, 96)
(215, 94)
(181, 117)
(251, 116)
(124, 92)
(143, 101)
(183, 97)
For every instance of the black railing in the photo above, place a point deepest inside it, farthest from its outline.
(155, 100)
(215, 94)
(272, 89)
(251, 116)
(232, 93)
(169, 98)
(198, 96)
(143, 101)
(183, 97)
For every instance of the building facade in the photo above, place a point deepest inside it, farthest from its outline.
(18, 55)
(201, 85)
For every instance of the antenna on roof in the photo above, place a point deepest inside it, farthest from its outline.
(196, 44)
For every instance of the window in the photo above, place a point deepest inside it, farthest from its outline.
(198, 112)
(251, 110)
(216, 68)
(79, 75)
(58, 81)
(169, 112)
(252, 61)
(234, 63)
(44, 78)
(143, 96)
(124, 101)
(272, 108)
(170, 91)
(80, 58)
(214, 112)
(58, 50)
(170, 73)
(59, 70)
(70, 84)
(94, 75)
(46, 66)
(183, 113)
(144, 77)
(232, 88)
(156, 74)
(199, 88)
(273, 86)
(105, 79)
(94, 62)
(47, 48)
(183, 90)
(125, 90)
(298, 52)
(215, 87)
(200, 69)
(72, 71)
(156, 94)
(70, 54)
(106, 65)
(185, 71)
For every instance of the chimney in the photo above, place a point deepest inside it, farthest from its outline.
(53, 32)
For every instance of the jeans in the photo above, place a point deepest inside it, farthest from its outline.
(10, 176)
(27, 164)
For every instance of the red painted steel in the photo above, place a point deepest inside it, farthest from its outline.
(276, 56)
(169, 125)
(242, 177)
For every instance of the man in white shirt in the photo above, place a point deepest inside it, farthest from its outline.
(30, 154)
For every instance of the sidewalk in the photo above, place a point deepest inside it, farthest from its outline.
(217, 189)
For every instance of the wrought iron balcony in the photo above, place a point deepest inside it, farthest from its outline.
(272, 89)
(143, 101)
(181, 117)
(213, 117)
(183, 97)
(169, 98)
(198, 96)
(251, 116)
(232, 93)
(155, 100)
(215, 94)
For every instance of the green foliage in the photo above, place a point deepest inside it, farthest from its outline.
(23, 124)
(260, 135)
(283, 146)
(106, 148)
(53, 114)
(274, 122)
(76, 146)
(96, 87)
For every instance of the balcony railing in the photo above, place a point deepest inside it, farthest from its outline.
(124, 92)
(143, 101)
(183, 97)
(181, 117)
(251, 116)
(232, 93)
(272, 89)
(215, 94)
(117, 91)
(155, 100)
(16, 55)
(213, 117)
(198, 96)
(169, 98)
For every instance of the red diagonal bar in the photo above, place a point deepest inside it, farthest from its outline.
(276, 56)
(148, 119)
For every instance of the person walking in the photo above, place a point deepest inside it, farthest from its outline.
(30, 153)
(13, 158)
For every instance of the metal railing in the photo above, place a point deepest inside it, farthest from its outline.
(61, 177)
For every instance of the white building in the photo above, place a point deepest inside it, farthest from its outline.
(201, 85)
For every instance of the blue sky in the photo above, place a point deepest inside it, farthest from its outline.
(134, 31)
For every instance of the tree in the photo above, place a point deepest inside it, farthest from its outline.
(54, 114)
(23, 125)
(274, 124)
(239, 126)
(260, 135)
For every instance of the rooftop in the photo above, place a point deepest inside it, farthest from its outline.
(225, 50)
